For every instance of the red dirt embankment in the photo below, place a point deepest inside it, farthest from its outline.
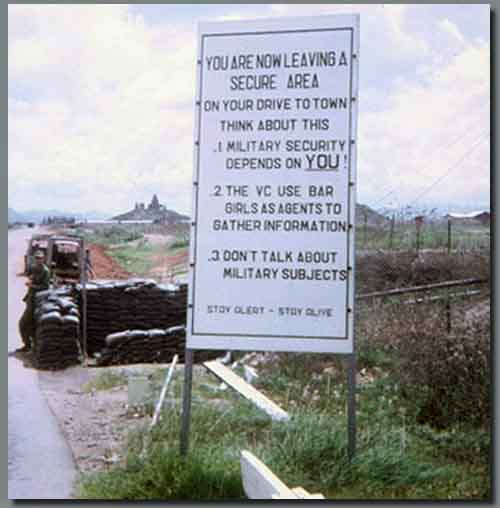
(169, 265)
(104, 266)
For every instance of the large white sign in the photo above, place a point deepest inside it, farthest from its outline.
(272, 243)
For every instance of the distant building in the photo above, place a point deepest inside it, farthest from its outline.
(419, 220)
(114, 221)
(154, 212)
(484, 217)
(58, 220)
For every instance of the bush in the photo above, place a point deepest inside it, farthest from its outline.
(387, 270)
(180, 244)
(446, 376)
(459, 444)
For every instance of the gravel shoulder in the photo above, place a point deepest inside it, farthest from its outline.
(95, 423)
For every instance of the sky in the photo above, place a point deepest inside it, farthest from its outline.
(101, 103)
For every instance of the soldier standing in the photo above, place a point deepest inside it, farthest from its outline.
(38, 281)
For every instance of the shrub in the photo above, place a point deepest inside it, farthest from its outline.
(460, 444)
(180, 243)
(446, 376)
(388, 270)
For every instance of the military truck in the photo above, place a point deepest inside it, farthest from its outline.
(66, 258)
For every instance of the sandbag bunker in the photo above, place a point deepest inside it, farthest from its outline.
(57, 333)
(130, 321)
(149, 346)
(133, 304)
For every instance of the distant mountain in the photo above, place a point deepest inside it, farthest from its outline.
(14, 216)
(154, 211)
(39, 215)
(373, 218)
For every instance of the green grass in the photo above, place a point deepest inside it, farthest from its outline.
(179, 244)
(396, 458)
(111, 236)
(137, 260)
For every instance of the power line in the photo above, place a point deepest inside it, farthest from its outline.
(442, 177)
(438, 150)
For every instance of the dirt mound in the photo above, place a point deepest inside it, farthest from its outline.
(104, 266)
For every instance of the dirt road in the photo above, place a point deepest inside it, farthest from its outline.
(40, 464)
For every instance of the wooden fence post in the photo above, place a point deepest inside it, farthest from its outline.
(391, 233)
(449, 236)
(365, 233)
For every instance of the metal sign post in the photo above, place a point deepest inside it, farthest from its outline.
(351, 405)
(83, 281)
(186, 401)
(274, 189)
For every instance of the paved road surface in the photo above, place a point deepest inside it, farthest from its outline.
(40, 462)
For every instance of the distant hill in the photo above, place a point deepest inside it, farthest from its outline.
(154, 211)
(373, 218)
(159, 213)
(14, 216)
(39, 215)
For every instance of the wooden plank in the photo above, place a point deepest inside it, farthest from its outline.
(303, 494)
(247, 390)
(259, 482)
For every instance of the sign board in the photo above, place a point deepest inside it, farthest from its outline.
(272, 240)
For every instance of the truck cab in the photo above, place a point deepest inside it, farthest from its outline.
(65, 258)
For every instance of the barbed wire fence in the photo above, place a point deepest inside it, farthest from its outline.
(420, 230)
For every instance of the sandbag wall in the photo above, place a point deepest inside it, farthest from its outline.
(149, 346)
(57, 333)
(134, 304)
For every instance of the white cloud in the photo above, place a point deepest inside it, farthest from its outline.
(427, 129)
(451, 29)
(381, 25)
(101, 103)
(110, 105)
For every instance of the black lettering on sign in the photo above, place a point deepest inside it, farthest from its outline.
(321, 191)
(237, 104)
(316, 124)
(253, 82)
(277, 124)
(303, 81)
(263, 190)
(323, 161)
